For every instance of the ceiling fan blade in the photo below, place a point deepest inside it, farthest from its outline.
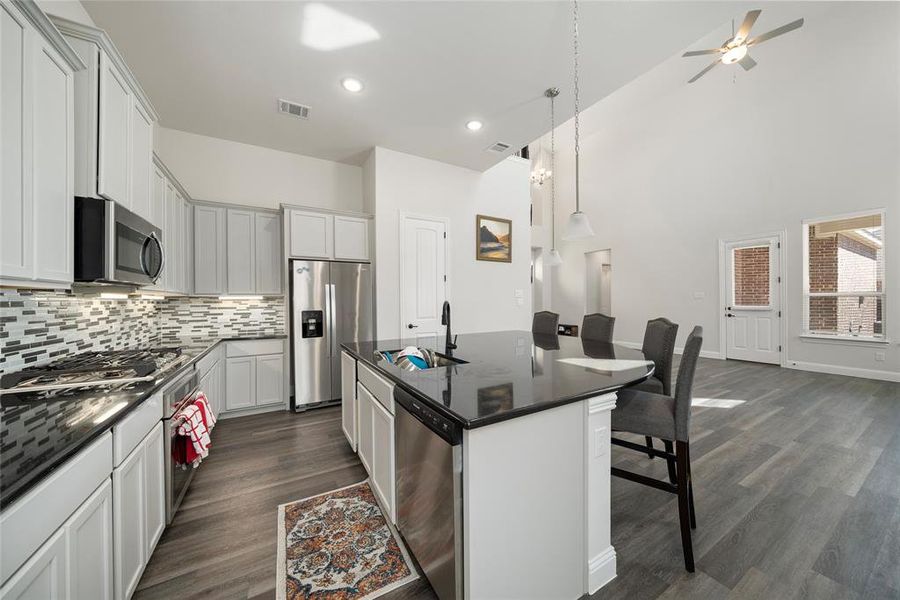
(747, 62)
(744, 30)
(776, 32)
(703, 72)
(702, 52)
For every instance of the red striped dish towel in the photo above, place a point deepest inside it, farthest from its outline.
(197, 420)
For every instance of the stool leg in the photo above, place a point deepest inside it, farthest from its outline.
(649, 441)
(687, 456)
(684, 517)
(671, 462)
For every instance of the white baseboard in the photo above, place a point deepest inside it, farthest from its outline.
(847, 371)
(601, 569)
(678, 350)
(243, 412)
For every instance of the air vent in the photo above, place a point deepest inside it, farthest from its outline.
(292, 108)
(499, 147)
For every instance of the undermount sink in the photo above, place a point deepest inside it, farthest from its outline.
(433, 359)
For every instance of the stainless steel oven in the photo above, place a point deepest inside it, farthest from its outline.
(175, 397)
(429, 492)
(114, 245)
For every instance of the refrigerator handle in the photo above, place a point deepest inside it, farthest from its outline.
(332, 306)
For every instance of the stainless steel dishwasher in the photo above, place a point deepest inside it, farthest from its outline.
(429, 492)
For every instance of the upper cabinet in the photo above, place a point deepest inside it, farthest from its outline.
(315, 234)
(36, 149)
(236, 250)
(172, 210)
(113, 124)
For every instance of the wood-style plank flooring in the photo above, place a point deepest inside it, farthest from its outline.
(797, 493)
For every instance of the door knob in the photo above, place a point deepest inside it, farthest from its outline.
(411, 326)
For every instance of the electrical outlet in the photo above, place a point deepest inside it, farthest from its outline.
(879, 356)
(520, 301)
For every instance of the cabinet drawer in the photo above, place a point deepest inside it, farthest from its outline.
(255, 347)
(380, 388)
(33, 518)
(135, 427)
(209, 361)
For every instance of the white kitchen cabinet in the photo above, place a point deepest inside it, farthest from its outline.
(114, 149)
(351, 238)
(267, 253)
(186, 260)
(269, 379)
(138, 510)
(348, 398)
(158, 199)
(382, 459)
(212, 380)
(89, 538)
(45, 574)
(37, 153)
(240, 378)
(312, 234)
(172, 237)
(129, 518)
(240, 251)
(155, 450)
(209, 249)
(365, 407)
(141, 157)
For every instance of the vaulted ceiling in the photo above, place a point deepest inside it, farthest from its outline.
(217, 68)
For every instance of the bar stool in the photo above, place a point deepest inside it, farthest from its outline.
(598, 327)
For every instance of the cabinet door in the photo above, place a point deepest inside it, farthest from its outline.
(240, 259)
(186, 231)
(89, 535)
(114, 138)
(44, 576)
(348, 398)
(311, 234)
(129, 521)
(240, 383)
(53, 176)
(16, 206)
(158, 200)
(365, 405)
(209, 250)
(269, 379)
(268, 253)
(155, 450)
(170, 234)
(351, 238)
(383, 457)
(141, 159)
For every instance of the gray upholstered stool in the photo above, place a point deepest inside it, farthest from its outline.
(598, 327)
(545, 323)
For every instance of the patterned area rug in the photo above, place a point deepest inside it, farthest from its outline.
(339, 546)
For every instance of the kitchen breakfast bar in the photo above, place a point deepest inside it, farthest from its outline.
(494, 461)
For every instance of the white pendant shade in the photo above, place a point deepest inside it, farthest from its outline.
(578, 227)
(553, 259)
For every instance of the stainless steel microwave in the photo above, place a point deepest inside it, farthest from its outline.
(114, 245)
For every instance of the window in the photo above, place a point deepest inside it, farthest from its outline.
(844, 276)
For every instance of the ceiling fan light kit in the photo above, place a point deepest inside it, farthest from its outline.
(736, 49)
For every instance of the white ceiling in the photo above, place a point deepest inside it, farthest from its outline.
(216, 68)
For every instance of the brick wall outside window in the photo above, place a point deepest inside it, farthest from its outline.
(751, 276)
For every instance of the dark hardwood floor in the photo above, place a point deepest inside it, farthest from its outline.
(797, 494)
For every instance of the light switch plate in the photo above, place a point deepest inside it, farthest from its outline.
(520, 293)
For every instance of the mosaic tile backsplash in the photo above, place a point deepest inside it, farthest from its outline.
(37, 327)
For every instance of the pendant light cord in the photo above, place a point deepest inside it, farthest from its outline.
(553, 169)
(575, 48)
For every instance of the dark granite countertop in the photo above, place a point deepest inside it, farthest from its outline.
(39, 431)
(510, 373)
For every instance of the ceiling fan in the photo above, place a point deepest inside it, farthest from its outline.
(735, 50)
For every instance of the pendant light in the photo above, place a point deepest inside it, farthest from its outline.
(553, 259)
(578, 226)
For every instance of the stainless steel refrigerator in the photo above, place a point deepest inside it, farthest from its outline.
(331, 303)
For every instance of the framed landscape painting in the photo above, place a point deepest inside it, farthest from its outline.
(493, 239)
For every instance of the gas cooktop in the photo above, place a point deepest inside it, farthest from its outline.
(94, 369)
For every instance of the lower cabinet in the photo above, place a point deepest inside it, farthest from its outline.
(76, 562)
(348, 398)
(254, 374)
(138, 510)
(375, 436)
(213, 385)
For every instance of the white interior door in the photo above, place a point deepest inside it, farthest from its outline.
(423, 277)
(752, 300)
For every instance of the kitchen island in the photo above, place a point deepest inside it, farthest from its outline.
(518, 429)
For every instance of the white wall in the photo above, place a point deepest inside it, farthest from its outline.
(225, 171)
(669, 168)
(482, 294)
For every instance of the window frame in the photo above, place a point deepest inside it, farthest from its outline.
(805, 330)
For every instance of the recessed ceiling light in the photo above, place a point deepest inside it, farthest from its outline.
(474, 125)
(351, 84)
